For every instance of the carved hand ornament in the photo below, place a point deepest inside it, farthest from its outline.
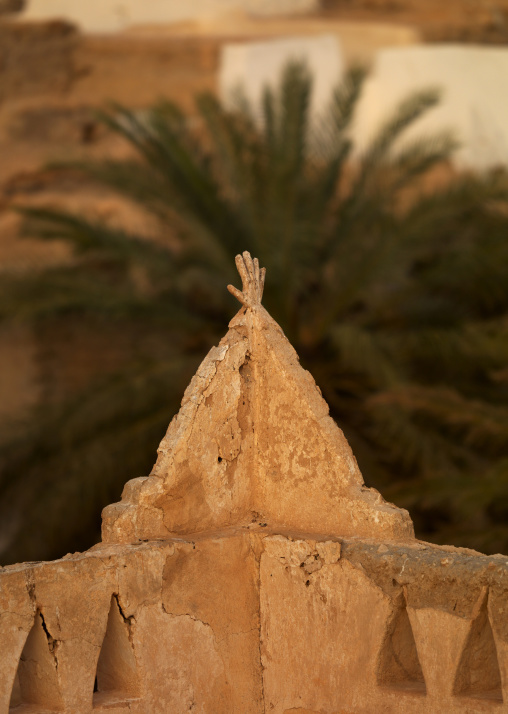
(253, 280)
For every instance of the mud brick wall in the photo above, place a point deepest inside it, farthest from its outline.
(247, 621)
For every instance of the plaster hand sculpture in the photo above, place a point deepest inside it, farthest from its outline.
(253, 280)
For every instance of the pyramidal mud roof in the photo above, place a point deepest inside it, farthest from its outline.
(253, 442)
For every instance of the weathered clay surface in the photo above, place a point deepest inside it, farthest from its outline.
(163, 626)
(253, 441)
(405, 635)
(249, 621)
(253, 573)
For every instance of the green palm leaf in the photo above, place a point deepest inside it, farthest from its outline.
(395, 298)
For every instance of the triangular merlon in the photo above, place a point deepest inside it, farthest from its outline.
(253, 436)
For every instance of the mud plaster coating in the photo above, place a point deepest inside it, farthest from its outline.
(253, 573)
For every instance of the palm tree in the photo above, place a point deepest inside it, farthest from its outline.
(396, 300)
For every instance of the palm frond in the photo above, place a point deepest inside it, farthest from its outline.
(396, 298)
(87, 236)
(422, 154)
(406, 114)
(361, 352)
(80, 454)
(479, 425)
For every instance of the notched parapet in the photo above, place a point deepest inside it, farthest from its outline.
(227, 623)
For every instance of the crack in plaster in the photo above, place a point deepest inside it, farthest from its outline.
(217, 642)
(53, 644)
(186, 614)
(257, 560)
(237, 634)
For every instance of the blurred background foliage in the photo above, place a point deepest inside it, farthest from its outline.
(394, 294)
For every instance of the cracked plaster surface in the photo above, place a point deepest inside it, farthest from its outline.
(253, 572)
(253, 435)
(227, 618)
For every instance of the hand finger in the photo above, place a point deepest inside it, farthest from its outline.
(240, 264)
(262, 274)
(248, 263)
(256, 276)
(237, 293)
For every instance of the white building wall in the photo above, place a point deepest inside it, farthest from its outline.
(473, 82)
(474, 105)
(250, 67)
